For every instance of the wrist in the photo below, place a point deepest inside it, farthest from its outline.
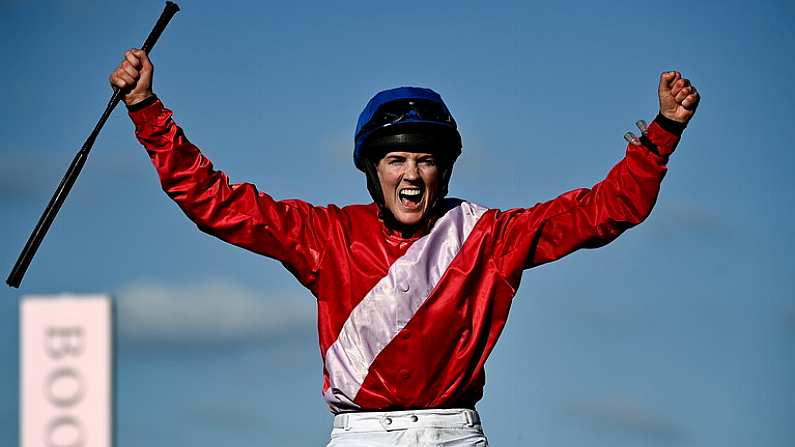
(132, 99)
(142, 103)
(673, 126)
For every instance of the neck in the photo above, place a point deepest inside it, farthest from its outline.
(409, 231)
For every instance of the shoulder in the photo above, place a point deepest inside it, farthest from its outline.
(358, 209)
(357, 214)
(464, 206)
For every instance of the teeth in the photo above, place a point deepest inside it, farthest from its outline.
(410, 192)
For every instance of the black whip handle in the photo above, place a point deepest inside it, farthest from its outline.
(21, 266)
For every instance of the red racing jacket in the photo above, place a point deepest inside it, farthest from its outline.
(405, 323)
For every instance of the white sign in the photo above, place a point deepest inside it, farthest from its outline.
(66, 361)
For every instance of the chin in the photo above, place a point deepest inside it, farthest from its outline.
(409, 221)
(408, 218)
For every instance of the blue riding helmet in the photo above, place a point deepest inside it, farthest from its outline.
(407, 118)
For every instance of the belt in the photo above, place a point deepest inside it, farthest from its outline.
(401, 420)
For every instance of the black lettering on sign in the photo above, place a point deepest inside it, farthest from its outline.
(65, 431)
(64, 387)
(63, 341)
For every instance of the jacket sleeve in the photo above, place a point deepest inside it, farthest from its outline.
(588, 217)
(291, 231)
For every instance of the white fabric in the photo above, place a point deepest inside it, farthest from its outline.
(447, 427)
(392, 302)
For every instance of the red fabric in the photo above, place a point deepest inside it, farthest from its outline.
(339, 254)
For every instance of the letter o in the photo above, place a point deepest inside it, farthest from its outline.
(64, 377)
(60, 435)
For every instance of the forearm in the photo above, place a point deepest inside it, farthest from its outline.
(185, 174)
(587, 218)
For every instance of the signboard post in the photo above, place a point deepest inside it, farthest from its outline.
(66, 371)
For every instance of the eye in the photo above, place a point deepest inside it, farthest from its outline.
(428, 161)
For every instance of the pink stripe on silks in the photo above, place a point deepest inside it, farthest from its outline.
(392, 302)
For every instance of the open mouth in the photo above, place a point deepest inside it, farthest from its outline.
(411, 197)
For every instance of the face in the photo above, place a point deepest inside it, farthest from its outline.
(410, 183)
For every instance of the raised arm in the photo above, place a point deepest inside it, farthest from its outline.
(592, 217)
(291, 231)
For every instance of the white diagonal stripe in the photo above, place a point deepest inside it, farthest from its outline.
(392, 302)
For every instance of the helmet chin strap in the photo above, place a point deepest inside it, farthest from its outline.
(374, 187)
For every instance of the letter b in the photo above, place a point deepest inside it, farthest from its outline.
(63, 341)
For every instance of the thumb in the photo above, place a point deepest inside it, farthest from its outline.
(667, 79)
(146, 64)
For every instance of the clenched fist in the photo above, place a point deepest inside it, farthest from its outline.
(678, 97)
(134, 76)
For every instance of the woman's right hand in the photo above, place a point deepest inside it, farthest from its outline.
(134, 76)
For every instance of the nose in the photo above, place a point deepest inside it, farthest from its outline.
(412, 171)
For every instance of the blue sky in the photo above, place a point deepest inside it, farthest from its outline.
(678, 333)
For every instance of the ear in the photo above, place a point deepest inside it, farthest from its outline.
(373, 182)
(446, 174)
